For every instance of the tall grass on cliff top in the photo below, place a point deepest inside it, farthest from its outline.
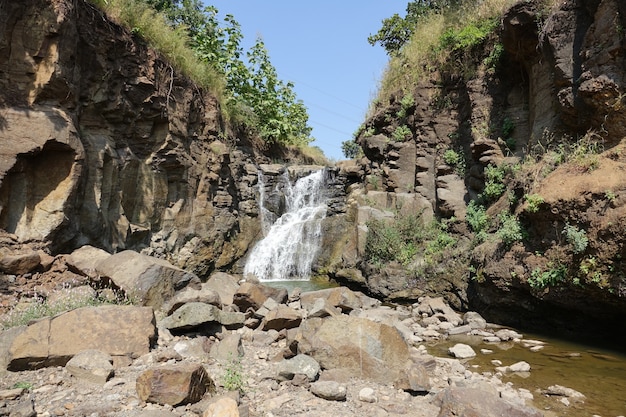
(427, 48)
(172, 42)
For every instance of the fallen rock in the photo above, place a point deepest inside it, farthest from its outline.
(341, 297)
(174, 385)
(474, 320)
(519, 367)
(223, 407)
(415, 380)
(251, 295)
(192, 295)
(508, 334)
(365, 348)
(461, 351)
(228, 349)
(329, 390)
(85, 259)
(92, 366)
(281, 318)
(193, 315)
(116, 330)
(299, 364)
(562, 391)
(194, 348)
(367, 395)
(471, 402)
(225, 285)
(19, 263)
(150, 280)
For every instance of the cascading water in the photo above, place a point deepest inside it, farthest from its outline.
(291, 243)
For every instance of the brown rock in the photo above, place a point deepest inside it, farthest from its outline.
(84, 260)
(281, 318)
(19, 263)
(250, 295)
(224, 285)
(471, 402)
(223, 407)
(92, 366)
(174, 385)
(116, 330)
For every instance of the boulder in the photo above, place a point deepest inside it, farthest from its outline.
(471, 402)
(192, 295)
(195, 349)
(19, 263)
(193, 315)
(225, 285)
(362, 347)
(222, 407)
(282, 317)
(415, 379)
(83, 260)
(150, 280)
(461, 351)
(92, 366)
(341, 297)
(53, 341)
(299, 364)
(474, 320)
(174, 384)
(322, 308)
(251, 295)
(228, 349)
(329, 390)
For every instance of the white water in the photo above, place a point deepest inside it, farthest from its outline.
(291, 243)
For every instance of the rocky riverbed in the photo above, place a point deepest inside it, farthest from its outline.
(226, 347)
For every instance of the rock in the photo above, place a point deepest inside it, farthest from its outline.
(322, 308)
(228, 349)
(416, 379)
(224, 285)
(367, 395)
(24, 408)
(92, 366)
(281, 318)
(341, 297)
(193, 315)
(150, 280)
(251, 295)
(299, 364)
(461, 351)
(269, 305)
(19, 263)
(431, 306)
(174, 385)
(192, 295)
(367, 349)
(194, 349)
(11, 394)
(223, 407)
(508, 334)
(562, 391)
(84, 260)
(474, 320)
(329, 390)
(470, 402)
(466, 328)
(116, 330)
(519, 367)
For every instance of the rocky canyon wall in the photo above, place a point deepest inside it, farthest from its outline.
(103, 142)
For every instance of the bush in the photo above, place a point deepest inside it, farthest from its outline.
(576, 237)
(494, 182)
(534, 201)
(401, 133)
(477, 219)
(510, 230)
(397, 240)
(350, 149)
(552, 276)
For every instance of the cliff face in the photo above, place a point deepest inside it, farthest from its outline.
(552, 116)
(103, 142)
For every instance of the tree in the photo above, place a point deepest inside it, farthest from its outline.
(350, 149)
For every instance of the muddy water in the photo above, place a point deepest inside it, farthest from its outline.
(599, 374)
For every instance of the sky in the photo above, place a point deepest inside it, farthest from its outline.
(321, 46)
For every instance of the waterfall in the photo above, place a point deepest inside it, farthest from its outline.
(291, 243)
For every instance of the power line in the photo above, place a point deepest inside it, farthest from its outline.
(331, 128)
(333, 112)
(324, 92)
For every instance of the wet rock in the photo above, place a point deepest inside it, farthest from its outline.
(508, 334)
(150, 280)
(559, 390)
(174, 385)
(329, 390)
(116, 330)
(92, 366)
(299, 364)
(461, 351)
(519, 367)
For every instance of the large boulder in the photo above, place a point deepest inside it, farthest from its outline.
(252, 295)
(84, 260)
(471, 402)
(193, 315)
(116, 330)
(150, 280)
(362, 347)
(224, 285)
(174, 384)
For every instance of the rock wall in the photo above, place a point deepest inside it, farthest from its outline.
(103, 142)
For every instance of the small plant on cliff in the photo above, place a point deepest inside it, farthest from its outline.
(494, 182)
(533, 201)
(478, 220)
(510, 230)
(401, 133)
(397, 240)
(540, 279)
(577, 238)
(405, 105)
(351, 149)
(233, 379)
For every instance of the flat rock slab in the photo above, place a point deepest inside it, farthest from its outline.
(472, 402)
(92, 366)
(174, 385)
(115, 330)
(461, 351)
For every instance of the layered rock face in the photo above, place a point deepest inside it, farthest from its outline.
(103, 142)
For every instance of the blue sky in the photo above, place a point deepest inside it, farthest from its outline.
(321, 46)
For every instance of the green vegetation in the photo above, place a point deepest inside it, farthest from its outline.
(478, 220)
(534, 201)
(540, 279)
(405, 105)
(577, 238)
(233, 379)
(351, 149)
(467, 36)
(494, 182)
(401, 133)
(209, 52)
(510, 230)
(23, 385)
(397, 240)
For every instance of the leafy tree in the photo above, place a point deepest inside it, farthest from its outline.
(396, 30)
(350, 149)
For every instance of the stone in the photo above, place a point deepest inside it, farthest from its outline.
(519, 367)
(193, 315)
(299, 364)
(174, 384)
(92, 366)
(474, 320)
(466, 328)
(225, 285)
(11, 394)
(281, 318)
(461, 351)
(53, 341)
(223, 407)
(367, 395)
(470, 402)
(559, 390)
(150, 280)
(322, 308)
(251, 295)
(365, 348)
(416, 379)
(341, 297)
(508, 334)
(192, 295)
(84, 260)
(19, 263)
(228, 349)
(194, 349)
(329, 390)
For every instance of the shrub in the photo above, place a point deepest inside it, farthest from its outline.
(494, 182)
(350, 149)
(533, 201)
(405, 105)
(510, 230)
(552, 276)
(477, 219)
(576, 237)
(397, 240)
(401, 133)
(233, 379)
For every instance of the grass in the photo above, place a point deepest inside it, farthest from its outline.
(233, 379)
(172, 43)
